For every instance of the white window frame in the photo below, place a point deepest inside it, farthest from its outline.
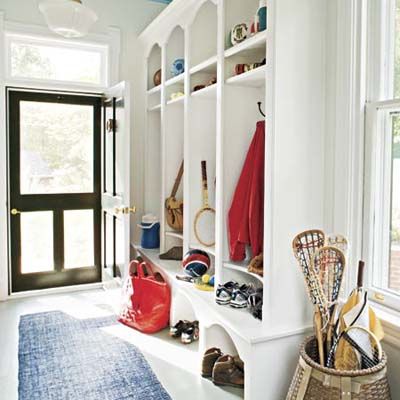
(378, 145)
(108, 45)
(11, 38)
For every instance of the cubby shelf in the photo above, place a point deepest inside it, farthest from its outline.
(177, 235)
(255, 43)
(178, 100)
(239, 321)
(209, 65)
(175, 80)
(209, 250)
(242, 267)
(155, 89)
(207, 92)
(254, 78)
(155, 108)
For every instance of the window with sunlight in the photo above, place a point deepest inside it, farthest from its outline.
(36, 59)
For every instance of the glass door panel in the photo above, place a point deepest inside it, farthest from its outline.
(37, 254)
(56, 145)
(78, 239)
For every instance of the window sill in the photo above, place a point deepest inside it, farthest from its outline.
(391, 323)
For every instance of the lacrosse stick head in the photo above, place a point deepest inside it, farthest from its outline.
(305, 245)
(328, 264)
(338, 241)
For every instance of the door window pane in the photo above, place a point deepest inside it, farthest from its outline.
(78, 239)
(37, 242)
(56, 148)
(53, 62)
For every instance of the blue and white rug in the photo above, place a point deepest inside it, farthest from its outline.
(62, 358)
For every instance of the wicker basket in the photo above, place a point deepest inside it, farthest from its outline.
(314, 382)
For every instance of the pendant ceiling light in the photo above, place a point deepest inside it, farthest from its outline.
(69, 18)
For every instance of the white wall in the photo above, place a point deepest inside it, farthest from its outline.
(131, 17)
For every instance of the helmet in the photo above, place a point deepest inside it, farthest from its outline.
(196, 262)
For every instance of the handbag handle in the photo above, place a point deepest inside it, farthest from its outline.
(145, 270)
(133, 267)
(177, 181)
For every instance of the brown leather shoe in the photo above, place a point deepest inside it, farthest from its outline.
(227, 373)
(209, 359)
(239, 363)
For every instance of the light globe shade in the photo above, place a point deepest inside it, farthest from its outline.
(69, 18)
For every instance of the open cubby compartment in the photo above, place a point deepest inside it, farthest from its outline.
(154, 100)
(174, 139)
(153, 164)
(203, 33)
(238, 12)
(238, 272)
(248, 56)
(153, 65)
(175, 88)
(217, 336)
(181, 307)
(202, 146)
(240, 103)
(204, 77)
(175, 49)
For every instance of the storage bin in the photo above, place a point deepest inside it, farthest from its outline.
(312, 381)
(150, 232)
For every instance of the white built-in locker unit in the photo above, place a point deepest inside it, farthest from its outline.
(216, 124)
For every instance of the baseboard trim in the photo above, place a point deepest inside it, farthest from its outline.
(64, 289)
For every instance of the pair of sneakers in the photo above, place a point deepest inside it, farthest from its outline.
(187, 331)
(233, 294)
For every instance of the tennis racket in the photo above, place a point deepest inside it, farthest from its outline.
(204, 222)
(365, 350)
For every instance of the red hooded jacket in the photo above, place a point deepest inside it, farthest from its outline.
(246, 215)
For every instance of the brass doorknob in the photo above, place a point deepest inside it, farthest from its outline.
(14, 211)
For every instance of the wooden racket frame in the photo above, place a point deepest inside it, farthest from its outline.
(372, 336)
(205, 206)
(305, 245)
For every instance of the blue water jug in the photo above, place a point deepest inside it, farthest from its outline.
(150, 232)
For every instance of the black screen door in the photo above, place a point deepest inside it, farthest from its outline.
(55, 189)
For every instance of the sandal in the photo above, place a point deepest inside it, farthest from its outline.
(191, 333)
(176, 330)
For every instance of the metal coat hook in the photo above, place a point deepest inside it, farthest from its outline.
(259, 109)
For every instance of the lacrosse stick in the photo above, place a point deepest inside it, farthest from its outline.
(338, 241)
(328, 265)
(305, 246)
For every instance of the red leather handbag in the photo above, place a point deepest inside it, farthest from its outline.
(146, 299)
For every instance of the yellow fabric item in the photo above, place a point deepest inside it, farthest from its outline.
(345, 357)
